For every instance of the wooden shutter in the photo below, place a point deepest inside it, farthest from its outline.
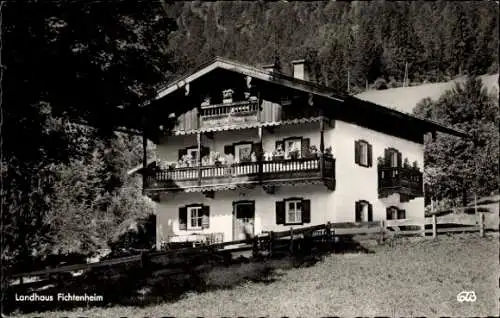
(205, 221)
(387, 157)
(280, 212)
(359, 216)
(357, 152)
(306, 211)
(388, 213)
(304, 147)
(229, 149)
(183, 218)
(401, 214)
(182, 152)
(370, 212)
(257, 149)
(205, 151)
(400, 160)
(370, 155)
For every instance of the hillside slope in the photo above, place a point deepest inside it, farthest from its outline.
(406, 98)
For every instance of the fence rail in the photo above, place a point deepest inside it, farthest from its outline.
(381, 230)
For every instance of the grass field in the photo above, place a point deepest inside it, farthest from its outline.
(414, 277)
(406, 98)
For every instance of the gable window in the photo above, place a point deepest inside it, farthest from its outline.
(363, 153)
(194, 217)
(364, 211)
(293, 211)
(394, 213)
(243, 152)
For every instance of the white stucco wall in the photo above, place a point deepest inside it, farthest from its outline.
(353, 182)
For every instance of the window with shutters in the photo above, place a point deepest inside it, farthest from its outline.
(364, 211)
(294, 211)
(195, 217)
(363, 153)
(393, 158)
(394, 213)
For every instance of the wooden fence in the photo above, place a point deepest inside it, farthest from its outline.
(290, 241)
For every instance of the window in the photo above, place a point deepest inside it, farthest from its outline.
(394, 213)
(394, 159)
(193, 152)
(243, 152)
(363, 153)
(195, 217)
(293, 145)
(294, 211)
(364, 211)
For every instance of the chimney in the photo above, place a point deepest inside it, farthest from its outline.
(300, 70)
(271, 68)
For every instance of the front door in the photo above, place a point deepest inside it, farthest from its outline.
(243, 220)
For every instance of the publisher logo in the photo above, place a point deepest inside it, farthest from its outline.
(466, 296)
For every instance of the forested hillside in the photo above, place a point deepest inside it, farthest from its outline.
(370, 39)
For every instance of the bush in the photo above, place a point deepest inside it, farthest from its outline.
(380, 84)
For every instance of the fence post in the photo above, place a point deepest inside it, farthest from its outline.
(291, 241)
(434, 226)
(271, 243)
(481, 224)
(382, 231)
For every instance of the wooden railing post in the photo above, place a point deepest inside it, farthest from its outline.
(271, 243)
(434, 226)
(255, 246)
(198, 139)
(481, 224)
(382, 232)
(291, 241)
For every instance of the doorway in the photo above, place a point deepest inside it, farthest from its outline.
(243, 219)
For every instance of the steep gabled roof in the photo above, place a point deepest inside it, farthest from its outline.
(248, 70)
(367, 109)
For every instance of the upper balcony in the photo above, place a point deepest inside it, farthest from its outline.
(225, 176)
(245, 112)
(407, 181)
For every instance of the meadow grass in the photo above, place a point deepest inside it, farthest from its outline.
(411, 278)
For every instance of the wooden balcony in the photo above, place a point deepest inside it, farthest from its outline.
(408, 182)
(209, 178)
(236, 113)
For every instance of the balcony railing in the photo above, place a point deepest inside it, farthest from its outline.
(229, 114)
(276, 171)
(406, 181)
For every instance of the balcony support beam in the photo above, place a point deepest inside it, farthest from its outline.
(144, 155)
(261, 155)
(322, 146)
(198, 157)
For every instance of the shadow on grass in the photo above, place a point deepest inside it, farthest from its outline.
(132, 285)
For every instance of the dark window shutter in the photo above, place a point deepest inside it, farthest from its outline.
(370, 212)
(280, 212)
(387, 157)
(359, 217)
(357, 152)
(257, 149)
(183, 218)
(306, 211)
(401, 214)
(205, 151)
(400, 160)
(370, 155)
(182, 152)
(229, 149)
(388, 214)
(205, 221)
(304, 147)
(280, 143)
